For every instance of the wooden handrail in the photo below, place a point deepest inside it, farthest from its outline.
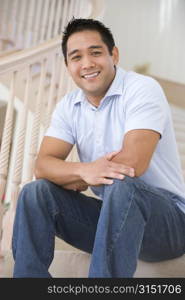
(22, 57)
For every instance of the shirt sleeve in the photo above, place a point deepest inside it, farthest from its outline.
(61, 123)
(146, 108)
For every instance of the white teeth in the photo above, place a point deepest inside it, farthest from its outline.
(91, 75)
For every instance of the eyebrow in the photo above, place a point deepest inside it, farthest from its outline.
(77, 50)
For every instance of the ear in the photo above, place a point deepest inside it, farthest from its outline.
(115, 55)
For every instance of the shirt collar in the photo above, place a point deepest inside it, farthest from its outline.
(116, 87)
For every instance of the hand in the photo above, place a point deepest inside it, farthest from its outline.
(76, 186)
(103, 170)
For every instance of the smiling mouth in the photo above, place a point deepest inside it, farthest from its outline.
(92, 75)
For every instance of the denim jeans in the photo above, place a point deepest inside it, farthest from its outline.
(134, 220)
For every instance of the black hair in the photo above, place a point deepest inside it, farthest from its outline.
(77, 25)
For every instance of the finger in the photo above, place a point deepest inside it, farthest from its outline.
(117, 167)
(82, 189)
(130, 172)
(114, 175)
(125, 171)
(105, 181)
(110, 155)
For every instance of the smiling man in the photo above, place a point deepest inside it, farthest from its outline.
(121, 125)
(90, 64)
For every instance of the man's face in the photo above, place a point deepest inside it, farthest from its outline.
(90, 63)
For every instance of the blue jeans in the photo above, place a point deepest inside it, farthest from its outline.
(134, 220)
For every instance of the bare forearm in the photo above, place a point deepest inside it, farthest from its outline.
(77, 176)
(125, 158)
(57, 170)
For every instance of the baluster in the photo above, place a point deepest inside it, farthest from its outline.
(51, 91)
(62, 84)
(20, 29)
(36, 124)
(44, 20)
(29, 31)
(13, 21)
(18, 165)
(57, 18)
(37, 18)
(51, 18)
(64, 14)
(4, 13)
(6, 142)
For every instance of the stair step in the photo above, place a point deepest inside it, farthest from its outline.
(75, 264)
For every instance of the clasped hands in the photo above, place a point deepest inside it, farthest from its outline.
(100, 171)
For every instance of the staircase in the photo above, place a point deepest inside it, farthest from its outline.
(32, 80)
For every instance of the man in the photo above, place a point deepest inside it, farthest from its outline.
(121, 124)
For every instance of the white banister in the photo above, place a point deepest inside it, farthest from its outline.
(36, 123)
(28, 56)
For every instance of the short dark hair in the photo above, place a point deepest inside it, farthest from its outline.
(77, 25)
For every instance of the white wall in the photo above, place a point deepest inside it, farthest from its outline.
(149, 31)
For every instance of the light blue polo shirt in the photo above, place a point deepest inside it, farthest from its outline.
(133, 101)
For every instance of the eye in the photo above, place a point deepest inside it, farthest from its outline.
(76, 57)
(96, 53)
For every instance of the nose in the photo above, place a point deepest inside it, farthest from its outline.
(87, 63)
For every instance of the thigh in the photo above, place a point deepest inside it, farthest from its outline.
(76, 218)
(164, 235)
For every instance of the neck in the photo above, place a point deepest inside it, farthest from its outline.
(94, 102)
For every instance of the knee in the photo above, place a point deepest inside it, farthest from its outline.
(38, 186)
(130, 190)
(131, 181)
(126, 185)
(34, 192)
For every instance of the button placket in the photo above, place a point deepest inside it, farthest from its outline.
(98, 134)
